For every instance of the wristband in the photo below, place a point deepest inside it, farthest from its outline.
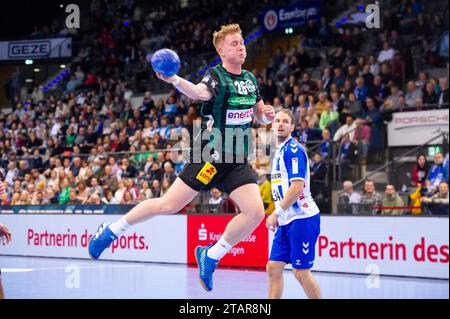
(265, 120)
(278, 210)
(177, 81)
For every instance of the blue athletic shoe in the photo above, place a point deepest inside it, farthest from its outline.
(206, 267)
(102, 240)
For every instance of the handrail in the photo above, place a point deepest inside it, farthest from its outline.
(433, 106)
(177, 149)
(356, 184)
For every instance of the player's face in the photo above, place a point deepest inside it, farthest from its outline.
(282, 126)
(232, 49)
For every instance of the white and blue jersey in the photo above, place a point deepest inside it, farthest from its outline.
(299, 226)
(291, 163)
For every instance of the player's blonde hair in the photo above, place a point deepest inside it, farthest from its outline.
(288, 113)
(224, 31)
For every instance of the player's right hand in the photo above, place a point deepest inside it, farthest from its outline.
(169, 80)
(5, 234)
(272, 222)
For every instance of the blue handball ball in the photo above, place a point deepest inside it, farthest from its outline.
(166, 62)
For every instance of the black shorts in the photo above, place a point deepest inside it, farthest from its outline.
(225, 176)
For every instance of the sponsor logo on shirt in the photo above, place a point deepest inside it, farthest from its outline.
(239, 117)
(242, 100)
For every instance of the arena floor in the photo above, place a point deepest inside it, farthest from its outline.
(30, 277)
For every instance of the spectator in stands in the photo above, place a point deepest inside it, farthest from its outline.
(443, 96)
(348, 156)
(95, 188)
(349, 199)
(370, 198)
(412, 93)
(307, 86)
(378, 90)
(318, 174)
(73, 199)
(373, 119)
(362, 137)
(339, 78)
(50, 197)
(441, 197)
(351, 106)
(436, 175)
(156, 188)
(128, 170)
(348, 128)
(145, 189)
(325, 146)
(12, 174)
(216, 200)
(387, 54)
(65, 192)
(82, 192)
(395, 94)
(423, 79)
(361, 90)
(408, 20)
(131, 188)
(419, 171)
(392, 200)
(430, 97)
(328, 118)
(128, 199)
(109, 180)
(311, 117)
(109, 198)
(169, 172)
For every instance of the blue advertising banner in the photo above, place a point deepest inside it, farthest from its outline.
(65, 209)
(293, 16)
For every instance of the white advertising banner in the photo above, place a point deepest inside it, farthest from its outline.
(416, 128)
(161, 239)
(403, 246)
(36, 49)
(400, 246)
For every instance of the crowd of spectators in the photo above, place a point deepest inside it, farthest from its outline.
(90, 145)
(428, 192)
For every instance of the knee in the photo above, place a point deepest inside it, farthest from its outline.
(167, 207)
(273, 270)
(257, 214)
(301, 274)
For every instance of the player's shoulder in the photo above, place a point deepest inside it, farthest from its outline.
(293, 148)
(249, 74)
(213, 71)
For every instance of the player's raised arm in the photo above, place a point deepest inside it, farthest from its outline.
(194, 91)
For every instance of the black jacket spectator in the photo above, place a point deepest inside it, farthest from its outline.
(430, 98)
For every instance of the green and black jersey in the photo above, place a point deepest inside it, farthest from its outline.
(230, 111)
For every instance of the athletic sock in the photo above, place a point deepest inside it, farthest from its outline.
(220, 249)
(119, 227)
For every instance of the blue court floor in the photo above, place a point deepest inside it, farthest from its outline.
(29, 277)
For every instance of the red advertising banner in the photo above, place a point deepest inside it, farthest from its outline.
(203, 230)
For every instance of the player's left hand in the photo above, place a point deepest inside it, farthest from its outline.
(269, 112)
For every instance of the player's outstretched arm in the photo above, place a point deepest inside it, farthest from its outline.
(191, 90)
(264, 114)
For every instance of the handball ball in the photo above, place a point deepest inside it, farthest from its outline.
(166, 62)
